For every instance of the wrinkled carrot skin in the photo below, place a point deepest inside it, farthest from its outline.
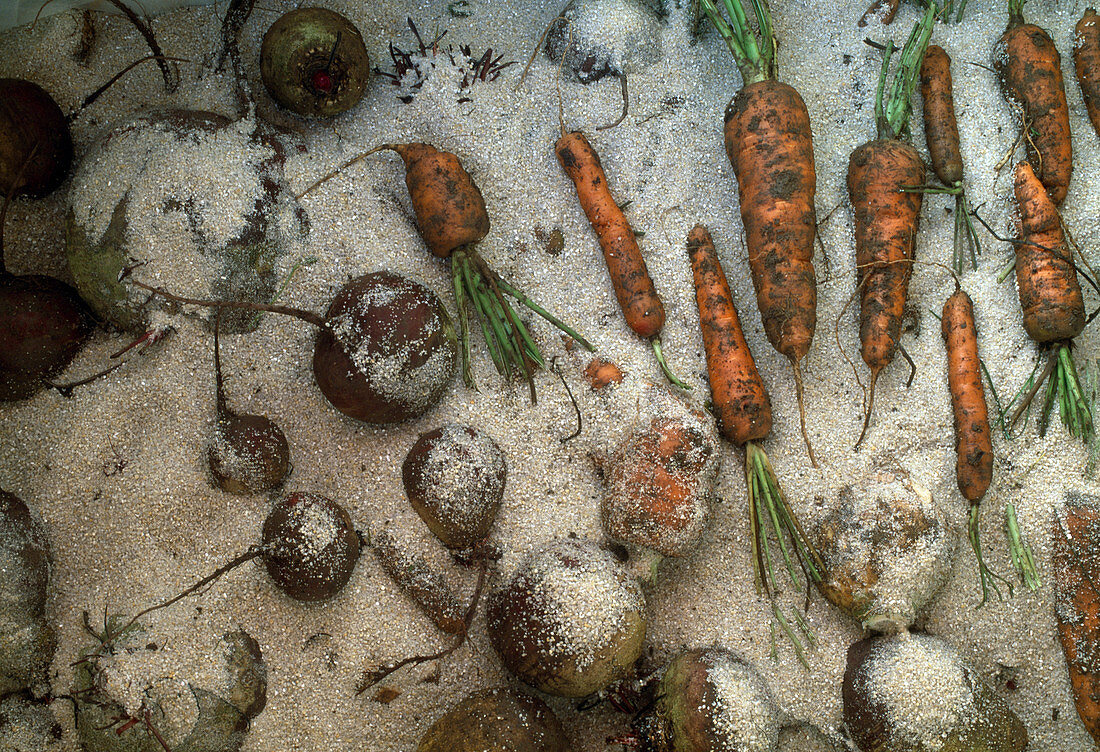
(1086, 61)
(1030, 69)
(737, 391)
(941, 130)
(1075, 560)
(1050, 294)
(642, 308)
(886, 232)
(450, 210)
(769, 144)
(973, 440)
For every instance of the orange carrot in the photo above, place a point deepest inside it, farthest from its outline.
(1086, 62)
(770, 146)
(638, 299)
(1030, 70)
(1050, 296)
(886, 213)
(973, 440)
(744, 416)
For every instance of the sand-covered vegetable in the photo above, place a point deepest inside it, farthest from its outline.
(915, 693)
(570, 621)
(314, 63)
(27, 640)
(496, 720)
(660, 479)
(28, 726)
(707, 700)
(138, 201)
(605, 37)
(454, 478)
(310, 546)
(131, 696)
(32, 127)
(887, 549)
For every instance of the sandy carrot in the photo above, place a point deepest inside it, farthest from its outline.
(638, 299)
(744, 414)
(770, 145)
(452, 218)
(1030, 70)
(1086, 61)
(882, 179)
(1075, 560)
(1050, 296)
(941, 131)
(973, 439)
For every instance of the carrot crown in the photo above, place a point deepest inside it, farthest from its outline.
(755, 56)
(892, 110)
(1015, 12)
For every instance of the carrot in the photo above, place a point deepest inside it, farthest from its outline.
(770, 146)
(744, 414)
(941, 131)
(1050, 296)
(638, 299)
(452, 218)
(973, 439)
(1030, 70)
(884, 176)
(1086, 62)
(1075, 560)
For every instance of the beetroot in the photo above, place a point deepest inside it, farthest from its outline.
(31, 121)
(310, 546)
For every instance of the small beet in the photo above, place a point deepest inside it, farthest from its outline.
(388, 352)
(708, 700)
(570, 621)
(314, 63)
(249, 453)
(32, 127)
(496, 720)
(454, 477)
(310, 546)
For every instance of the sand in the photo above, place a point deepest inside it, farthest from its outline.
(117, 471)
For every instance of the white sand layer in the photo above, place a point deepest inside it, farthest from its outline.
(118, 473)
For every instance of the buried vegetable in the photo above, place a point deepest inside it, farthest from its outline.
(249, 453)
(770, 146)
(914, 692)
(744, 415)
(454, 478)
(314, 63)
(886, 214)
(496, 720)
(570, 621)
(385, 351)
(43, 324)
(451, 216)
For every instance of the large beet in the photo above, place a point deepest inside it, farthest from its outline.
(31, 123)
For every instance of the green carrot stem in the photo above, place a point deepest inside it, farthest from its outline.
(985, 575)
(893, 116)
(526, 301)
(791, 636)
(464, 327)
(491, 341)
(1022, 559)
(755, 59)
(664, 365)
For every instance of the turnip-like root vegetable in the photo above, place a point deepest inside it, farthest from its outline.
(496, 720)
(914, 692)
(386, 349)
(570, 621)
(314, 63)
(705, 700)
(249, 453)
(31, 121)
(129, 699)
(27, 640)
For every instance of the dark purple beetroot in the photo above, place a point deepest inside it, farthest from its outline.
(396, 353)
(496, 720)
(29, 117)
(310, 546)
(454, 477)
(249, 453)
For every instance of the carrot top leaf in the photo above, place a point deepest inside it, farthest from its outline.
(892, 109)
(755, 55)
